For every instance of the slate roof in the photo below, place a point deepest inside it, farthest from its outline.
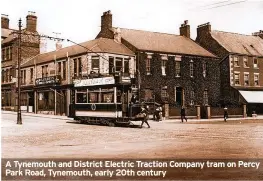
(238, 43)
(100, 45)
(163, 42)
(6, 32)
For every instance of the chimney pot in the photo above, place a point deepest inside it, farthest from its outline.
(185, 29)
(106, 21)
(4, 21)
(31, 21)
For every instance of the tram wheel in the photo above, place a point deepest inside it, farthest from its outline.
(111, 124)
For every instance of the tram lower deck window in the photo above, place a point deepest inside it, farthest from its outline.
(81, 97)
(95, 96)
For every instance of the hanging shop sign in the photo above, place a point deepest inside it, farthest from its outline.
(48, 80)
(94, 82)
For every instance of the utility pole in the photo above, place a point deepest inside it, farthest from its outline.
(19, 118)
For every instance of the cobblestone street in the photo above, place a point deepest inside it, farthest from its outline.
(41, 137)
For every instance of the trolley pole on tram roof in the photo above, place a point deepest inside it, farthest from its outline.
(19, 117)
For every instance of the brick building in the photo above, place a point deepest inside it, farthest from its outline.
(9, 47)
(241, 65)
(47, 78)
(173, 68)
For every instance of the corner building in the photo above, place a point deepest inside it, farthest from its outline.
(172, 69)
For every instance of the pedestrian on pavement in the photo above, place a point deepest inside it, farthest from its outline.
(144, 112)
(183, 115)
(225, 114)
(158, 113)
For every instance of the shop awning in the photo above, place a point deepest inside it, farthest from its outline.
(252, 96)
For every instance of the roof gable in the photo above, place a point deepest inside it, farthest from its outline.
(238, 43)
(163, 42)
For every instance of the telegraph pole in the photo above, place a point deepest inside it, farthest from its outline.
(19, 118)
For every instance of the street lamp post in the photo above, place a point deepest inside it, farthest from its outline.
(19, 118)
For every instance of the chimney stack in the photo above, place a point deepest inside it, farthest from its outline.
(117, 35)
(203, 30)
(31, 21)
(4, 21)
(260, 34)
(185, 29)
(106, 21)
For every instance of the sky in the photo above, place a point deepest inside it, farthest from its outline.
(79, 20)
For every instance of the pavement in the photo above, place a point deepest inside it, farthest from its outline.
(259, 117)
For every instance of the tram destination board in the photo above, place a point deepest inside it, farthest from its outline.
(94, 81)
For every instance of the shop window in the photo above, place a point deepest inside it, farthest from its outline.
(46, 101)
(23, 99)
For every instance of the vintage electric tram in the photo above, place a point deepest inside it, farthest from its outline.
(106, 100)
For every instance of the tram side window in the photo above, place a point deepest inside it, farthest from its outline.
(93, 97)
(107, 97)
(81, 97)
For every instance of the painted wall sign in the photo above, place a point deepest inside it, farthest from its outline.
(48, 80)
(93, 82)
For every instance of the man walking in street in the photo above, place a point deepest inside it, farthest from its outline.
(144, 112)
(225, 114)
(183, 115)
